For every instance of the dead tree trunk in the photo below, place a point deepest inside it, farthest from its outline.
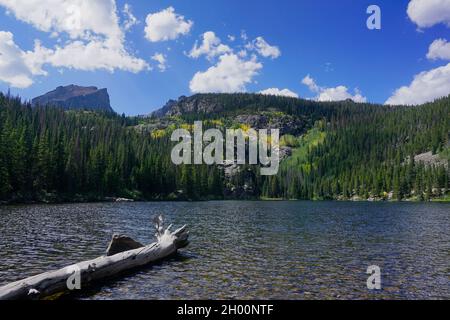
(79, 275)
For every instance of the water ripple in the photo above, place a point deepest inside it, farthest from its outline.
(244, 250)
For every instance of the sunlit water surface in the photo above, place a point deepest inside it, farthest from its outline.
(243, 250)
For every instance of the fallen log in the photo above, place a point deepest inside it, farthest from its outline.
(82, 274)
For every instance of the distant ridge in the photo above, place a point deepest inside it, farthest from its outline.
(210, 103)
(76, 97)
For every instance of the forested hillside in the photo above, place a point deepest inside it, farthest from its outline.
(371, 154)
(339, 150)
(51, 154)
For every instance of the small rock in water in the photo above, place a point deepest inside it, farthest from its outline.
(121, 243)
(124, 200)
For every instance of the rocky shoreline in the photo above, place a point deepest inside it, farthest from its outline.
(171, 199)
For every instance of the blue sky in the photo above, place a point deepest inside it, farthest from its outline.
(328, 41)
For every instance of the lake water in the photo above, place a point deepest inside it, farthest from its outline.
(243, 249)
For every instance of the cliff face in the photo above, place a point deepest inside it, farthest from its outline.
(256, 111)
(76, 97)
(193, 104)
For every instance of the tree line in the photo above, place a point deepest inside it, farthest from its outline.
(51, 154)
(48, 154)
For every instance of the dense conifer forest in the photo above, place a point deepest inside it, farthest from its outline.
(338, 150)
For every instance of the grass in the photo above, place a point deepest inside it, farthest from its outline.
(445, 198)
(302, 146)
(445, 153)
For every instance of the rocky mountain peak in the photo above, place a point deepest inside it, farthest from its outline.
(76, 97)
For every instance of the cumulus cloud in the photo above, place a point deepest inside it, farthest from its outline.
(427, 13)
(80, 19)
(338, 93)
(242, 53)
(94, 38)
(166, 25)
(211, 46)
(162, 61)
(13, 68)
(425, 87)
(90, 56)
(232, 70)
(130, 19)
(230, 74)
(310, 83)
(264, 49)
(439, 49)
(435, 83)
(244, 35)
(278, 92)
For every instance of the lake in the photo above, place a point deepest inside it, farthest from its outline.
(243, 249)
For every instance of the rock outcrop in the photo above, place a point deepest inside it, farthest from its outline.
(430, 159)
(76, 97)
(287, 124)
(120, 243)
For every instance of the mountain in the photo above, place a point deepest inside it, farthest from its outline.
(331, 150)
(255, 110)
(76, 97)
(214, 103)
(199, 103)
(327, 147)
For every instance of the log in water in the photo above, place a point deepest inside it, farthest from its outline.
(83, 273)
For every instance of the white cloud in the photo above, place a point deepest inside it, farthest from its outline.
(13, 67)
(130, 19)
(426, 86)
(162, 61)
(435, 83)
(264, 49)
(338, 93)
(35, 59)
(166, 25)
(211, 46)
(244, 35)
(278, 92)
(310, 83)
(90, 56)
(230, 74)
(242, 53)
(427, 13)
(95, 39)
(231, 37)
(439, 49)
(80, 19)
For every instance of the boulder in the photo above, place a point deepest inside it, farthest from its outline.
(120, 243)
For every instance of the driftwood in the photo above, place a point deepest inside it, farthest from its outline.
(79, 275)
